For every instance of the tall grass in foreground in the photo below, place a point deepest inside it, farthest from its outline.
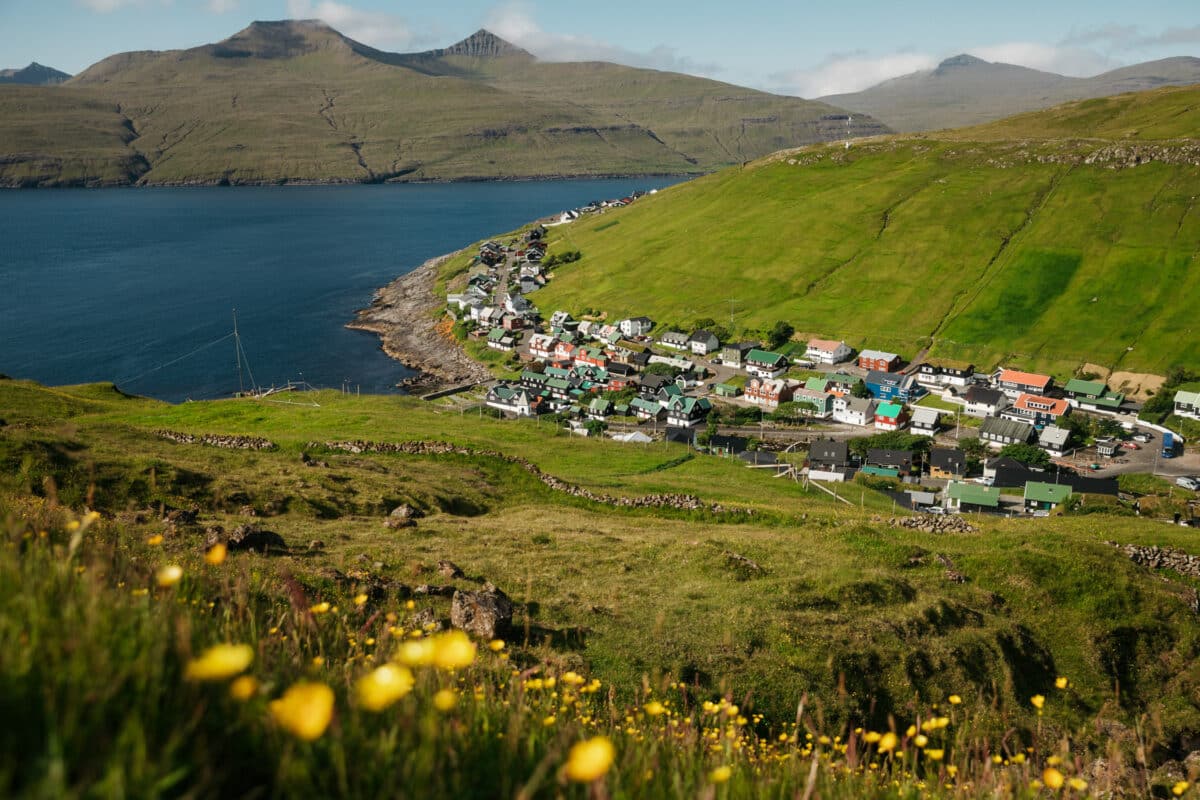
(126, 671)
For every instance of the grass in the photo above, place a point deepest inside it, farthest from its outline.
(887, 245)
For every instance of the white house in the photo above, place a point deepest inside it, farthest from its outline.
(982, 402)
(541, 345)
(703, 342)
(854, 410)
(827, 351)
(925, 421)
(636, 326)
(675, 340)
(765, 364)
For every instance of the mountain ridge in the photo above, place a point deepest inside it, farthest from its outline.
(34, 75)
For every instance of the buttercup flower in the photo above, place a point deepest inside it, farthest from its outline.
(589, 760)
(220, 662)
(383, 686)
(305, 710)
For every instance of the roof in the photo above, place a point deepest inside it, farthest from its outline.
(765, 357)
(974, 494)
(877, 355)
(925, 415)
(1187, 398)
(1054, 436)
(1047, 492)
(1006, 428)
(815, 384)
(674, 336)
(984, 396)
(734, 444)
(1042, 405)
(702, 336)
(887, 378)
(830, 451)
(841, 377)
(1080, 386)
(885, 456)
(861, 404)
(1024, 378)
(889, 410)
(947, 459)
(824, 345)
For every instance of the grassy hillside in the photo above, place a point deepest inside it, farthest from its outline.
(299, 102)
(1004, 243)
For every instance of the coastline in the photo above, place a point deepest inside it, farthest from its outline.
(402, 316)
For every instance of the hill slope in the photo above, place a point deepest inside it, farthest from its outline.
(965, 90)
(1047, 251)
(34, 75)
(299, 102)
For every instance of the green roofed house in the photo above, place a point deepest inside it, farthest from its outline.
(971, 496)
(1092, 394)
(726, 390)
(765, 364)
(817, 384)
(1187, 403)
(1045, 496)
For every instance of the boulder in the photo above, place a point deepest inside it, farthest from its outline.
(449, 569)
(487, 613)
(246, 537)
(403, 516)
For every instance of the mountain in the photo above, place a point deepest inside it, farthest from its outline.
(1052, 240)
(965, 90)
(34, 75)
(296, 101)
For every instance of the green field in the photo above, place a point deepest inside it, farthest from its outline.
(991, 250)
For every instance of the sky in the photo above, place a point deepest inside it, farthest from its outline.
(798, 47)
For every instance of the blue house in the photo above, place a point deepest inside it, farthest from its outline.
(894, 386)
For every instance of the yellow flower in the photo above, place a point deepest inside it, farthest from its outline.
(496, 645)
(1060, 682)
(320, 608)
(888, 742)
(416, 652)
(1038, 701)
(453, 650)
(154, 540)
(1052, 778)
(169, 575)
(921, 740)
(720, 774)
(548, 721)
(951, 770)
(871, 737)
(243, 688)
(304, 710)
(955, 699)
(1078, 784)
(216, 554)
(360, 600)
(383, 686)
(1180, 788)
(934, 755)
(220, 662)
(654, 708)
(445, 700)
(589, 760)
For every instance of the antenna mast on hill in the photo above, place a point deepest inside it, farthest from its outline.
(237, 349)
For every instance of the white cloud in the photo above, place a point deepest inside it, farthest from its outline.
(514, 21)
(1064, 60)
(375, 28)
(1131, 37)
(222, 6)
(109, 6)
(849, 72)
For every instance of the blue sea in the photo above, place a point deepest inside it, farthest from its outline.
(139, 286)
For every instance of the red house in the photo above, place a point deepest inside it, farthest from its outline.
(879, 360)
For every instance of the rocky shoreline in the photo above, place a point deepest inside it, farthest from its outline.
(404, 315)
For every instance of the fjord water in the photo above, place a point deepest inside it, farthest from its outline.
(137, 286)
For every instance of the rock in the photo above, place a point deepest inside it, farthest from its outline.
(247, 537)
(486, 613)
(434, 591)
(450, 569)
(426, 620)
(404, 516)
(247, 511)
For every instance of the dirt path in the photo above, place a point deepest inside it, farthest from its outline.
(405, 314)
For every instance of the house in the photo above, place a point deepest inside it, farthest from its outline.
(819, 404)
(502, 340)
(733, 355)
(511, 322)
(599, 409)
(826, 351)
(947, 464)
(560, 319)
(1187, 404)
(894, 386)
(727, 445)
(703, 342)
(817, 383)
(899, 461)
(840, 382)
(1005, 471)
(890, 417)
(684, 436)
(765, 364)
(769, 392)
(760, 458)
(918, 500)
(999, 432)
(1082, 484)
(1054, 440)
(564, 351)
(854, 410)
(971, 497)
(636, 326)
(1037, 410)
(687, 412)
(511, 399)
(528, 284)
(675, 340)
(667, 393)
(591, 357)
(516, 303)
(925, 421)
(878, 360)
(679, 364)
(1045, 496)
(1015, 383)
(829, 461)
(541, 345)
(946, 373)
(1092, 394)
(726, 390)
(983, 402)
(1108, 447)
(645, 409)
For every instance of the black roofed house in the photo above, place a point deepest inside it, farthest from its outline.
(679, 435)
(727, 445)
(983, 402)
(1005, 471)
(674, 339)
(885, 458)
(829, 460)
(734, 354)
(946, 373)
(687, 412)
(999, 432)
(760, 458)
(511, 398)
(947, 464)
(703, 342)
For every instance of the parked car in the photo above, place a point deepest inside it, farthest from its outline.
(934, 510)
(1187, 482)
(1095, 467)
(1131, 445)
(1144, 438)
(984, 481)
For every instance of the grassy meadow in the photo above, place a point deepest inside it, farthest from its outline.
(849, 627)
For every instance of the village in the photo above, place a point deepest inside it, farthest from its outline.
(938, 435)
